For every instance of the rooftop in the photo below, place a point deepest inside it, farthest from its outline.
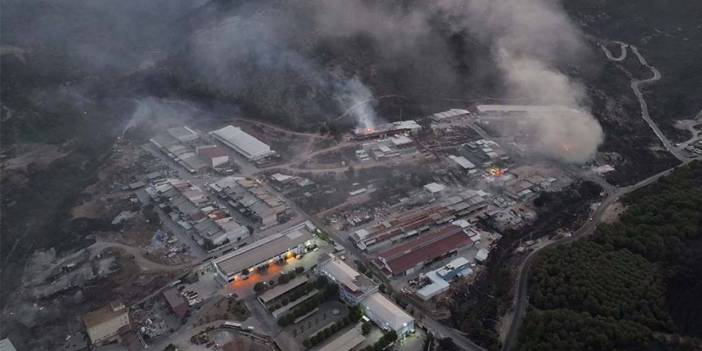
(279, 290)
(212, 151)
(355, 282)
(425, 247)
(393, 315)
(183, 133)
(399, 140)
(104, 314)
(454, 112)
(462, 161)
(242, 142)
(434, 187)
(345, 341)
(173, 298)
(261, 250)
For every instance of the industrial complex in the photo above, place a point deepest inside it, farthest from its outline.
(333, 244)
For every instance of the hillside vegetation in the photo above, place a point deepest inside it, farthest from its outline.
(629, 285)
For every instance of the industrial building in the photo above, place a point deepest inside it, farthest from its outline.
(251, 199)
(176, 302)
(387, 315)
(357, 289)
(214, 155)
(437, 281)
(106, 323)
(420, 220)
(409, 257)
(183, 134)
(191, 208)
(462, 162)
(353, 286)
(346, 341)
(387, 130)
(271, 296)
(435, 189)
(237, 264)
(243, 143)
(450, 114)
(177, 145)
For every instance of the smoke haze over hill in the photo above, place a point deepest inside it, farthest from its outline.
(312, 61)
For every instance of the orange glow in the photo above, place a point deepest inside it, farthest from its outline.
(496, 172)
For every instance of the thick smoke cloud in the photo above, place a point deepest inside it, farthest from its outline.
(530, 38)
(286, 58)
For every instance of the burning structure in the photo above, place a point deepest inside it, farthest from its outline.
(387, 130)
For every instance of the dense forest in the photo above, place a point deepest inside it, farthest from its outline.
(633, 285)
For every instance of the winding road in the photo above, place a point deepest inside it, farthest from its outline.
(636, 85)
(521, 299)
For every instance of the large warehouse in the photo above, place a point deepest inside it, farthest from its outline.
(235, 265)
(356, 288)
(434, 245)
(243, 143)
(353, 286)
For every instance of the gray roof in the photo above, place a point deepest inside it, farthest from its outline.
(262, 250)
(242, 142)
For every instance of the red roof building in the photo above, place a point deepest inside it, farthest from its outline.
(215, 155)
(427, 248)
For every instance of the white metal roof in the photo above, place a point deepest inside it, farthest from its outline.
(389, 315)
(482, 255)
(434, 187)
(342, 272)
(242, 142)
(437, 286)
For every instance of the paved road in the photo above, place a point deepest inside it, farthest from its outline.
(522, 298)
(442, 331)
(621, 57)
(636, 85)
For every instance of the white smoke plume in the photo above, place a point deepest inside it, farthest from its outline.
(280, 56)
(529, 39)
(358, 101)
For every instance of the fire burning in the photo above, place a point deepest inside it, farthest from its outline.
(496, 171)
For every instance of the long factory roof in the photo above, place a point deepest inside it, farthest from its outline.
(242, 142)
(426, 247)
(264, 249)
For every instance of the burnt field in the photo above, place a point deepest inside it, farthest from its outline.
(477, 308)
(668, 36)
